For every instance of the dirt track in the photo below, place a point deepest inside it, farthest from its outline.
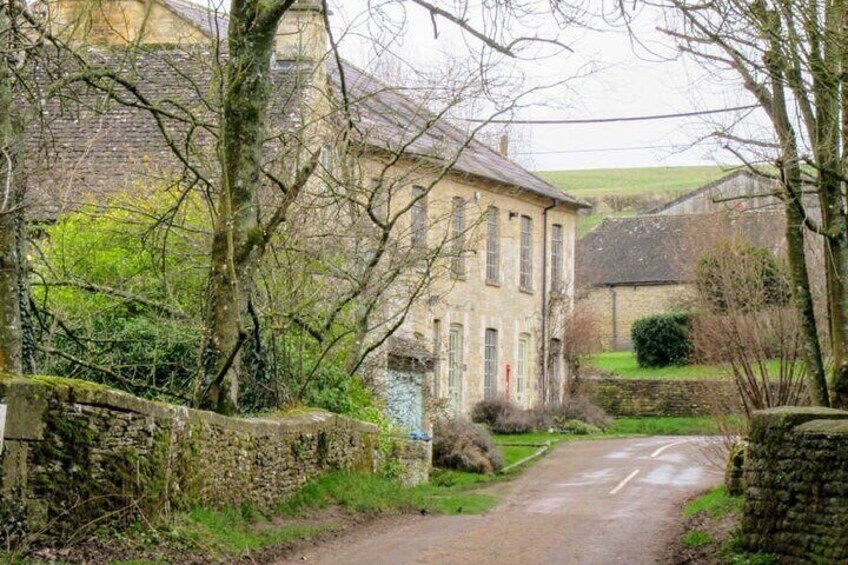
(594, 502)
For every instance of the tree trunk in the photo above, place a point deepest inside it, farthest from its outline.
(803, 298)
(237, 235)
(11, 335)
(801, 293)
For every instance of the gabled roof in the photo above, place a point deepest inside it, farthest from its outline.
(391, 121)
(394, 122)
(644, 250)
(100, 150)
(710, 186)
(211, 22)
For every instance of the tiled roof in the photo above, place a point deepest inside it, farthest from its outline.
(645, 250)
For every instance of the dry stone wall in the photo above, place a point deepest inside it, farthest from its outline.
(796, 485)
(74, 453)
(663, 397)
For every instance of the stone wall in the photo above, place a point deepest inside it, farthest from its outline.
(796, 485)
(663, 397)
(74, 452)
(617, 307)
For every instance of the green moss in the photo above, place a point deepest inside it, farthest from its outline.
(70, 383)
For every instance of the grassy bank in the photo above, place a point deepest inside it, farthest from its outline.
(711, 532)
(331, 504)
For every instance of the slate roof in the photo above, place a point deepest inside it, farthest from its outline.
(391, 121)
(93, 150)
(645, 250)
(211, 22)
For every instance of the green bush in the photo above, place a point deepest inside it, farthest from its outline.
(662, 340)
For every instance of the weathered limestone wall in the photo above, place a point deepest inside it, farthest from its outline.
(663, 397)
(73, 452)
(796, 485)
(617, 307)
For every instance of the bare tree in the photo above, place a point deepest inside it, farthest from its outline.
(306, 242)
(789, 56)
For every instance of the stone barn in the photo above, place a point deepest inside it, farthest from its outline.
(629, 268)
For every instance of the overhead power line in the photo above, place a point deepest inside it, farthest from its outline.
(597, 150)
(617, 119)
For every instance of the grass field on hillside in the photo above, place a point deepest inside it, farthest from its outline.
(632, 182)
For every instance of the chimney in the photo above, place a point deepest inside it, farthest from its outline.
(301, 34)
(503, 147)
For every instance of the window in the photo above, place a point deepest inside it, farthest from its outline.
(493, 245)
(522, 366)
(525, 279)
(419, 217)
(455, 363)
(437, 358)
(490, 368)
(556, 258)
(458, 237)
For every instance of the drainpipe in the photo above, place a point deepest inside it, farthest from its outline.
(545, 384)
(614, 302)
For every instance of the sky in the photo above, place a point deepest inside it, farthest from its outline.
(625, 80)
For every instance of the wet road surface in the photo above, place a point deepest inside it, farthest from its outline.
(588, 502)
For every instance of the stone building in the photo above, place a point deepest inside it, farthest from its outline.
(629, 268)
(485, 320)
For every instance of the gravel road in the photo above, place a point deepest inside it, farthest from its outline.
(588, 502)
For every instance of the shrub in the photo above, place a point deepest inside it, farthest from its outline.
(562, 416)
(503, 417)
(662, 340)
(738, 276)
(490, 410)
(514, 421)
(462, 445)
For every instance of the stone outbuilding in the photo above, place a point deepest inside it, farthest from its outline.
(629, 268)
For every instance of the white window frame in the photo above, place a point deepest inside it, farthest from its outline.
(458, 237)
(455, 363)
(521, 366)
(493, 245)
(525, 268)
(490, 363)
(557, 259)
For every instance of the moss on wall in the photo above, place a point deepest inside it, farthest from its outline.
(76, 456)
(663, 397)
(796, 485)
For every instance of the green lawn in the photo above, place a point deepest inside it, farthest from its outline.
(623, 364)
(631, 182)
